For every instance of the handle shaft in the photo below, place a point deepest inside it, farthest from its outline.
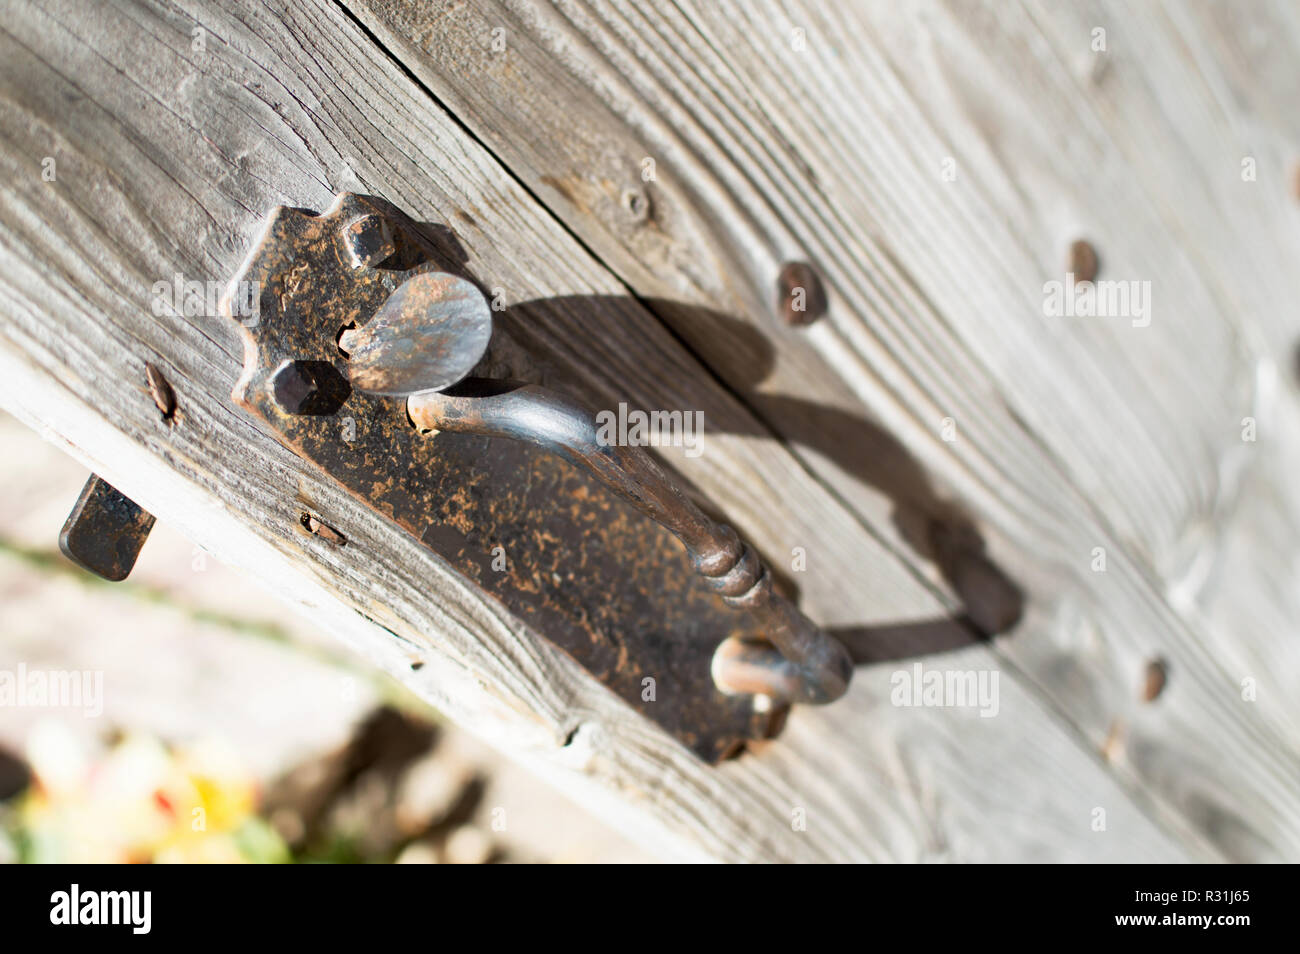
(809, 667)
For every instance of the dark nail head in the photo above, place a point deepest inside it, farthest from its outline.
(292, 387)
(801, 299)
(1082, 261)
(369, 240)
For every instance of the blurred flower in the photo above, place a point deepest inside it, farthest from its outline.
(140, 801)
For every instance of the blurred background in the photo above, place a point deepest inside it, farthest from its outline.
(229, 731)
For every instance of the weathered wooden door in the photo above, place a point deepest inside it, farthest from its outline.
(834, 229)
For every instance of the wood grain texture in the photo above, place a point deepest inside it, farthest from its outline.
(822, 132)
(168, 153)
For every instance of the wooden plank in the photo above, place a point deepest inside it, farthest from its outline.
(1231, 573)
(796, 131)
(168, 155)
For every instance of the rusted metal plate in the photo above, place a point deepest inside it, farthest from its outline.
(569, 558)
(105, 530)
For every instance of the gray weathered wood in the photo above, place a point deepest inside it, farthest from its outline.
(167, 156)
(166, 159)
(821, 132)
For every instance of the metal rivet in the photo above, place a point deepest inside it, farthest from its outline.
(801, 299)
(309, 387)
(161, 392)
(369, 240)
(1157, 675)
(1081, 261)
(292, 387)
(318, 528)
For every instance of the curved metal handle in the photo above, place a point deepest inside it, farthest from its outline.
(810, 667)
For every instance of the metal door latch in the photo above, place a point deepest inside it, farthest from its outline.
(105, 530)
(357, 325)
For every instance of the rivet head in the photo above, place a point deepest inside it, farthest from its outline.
(164, 398)
(311, 388)
(1081, 261)
(801, 299)
(369, 240)
(1157, 675)
(316, 527)
(292, 387)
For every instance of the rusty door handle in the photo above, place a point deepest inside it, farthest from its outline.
(807, 665)
(431, 332)
(343, 311)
